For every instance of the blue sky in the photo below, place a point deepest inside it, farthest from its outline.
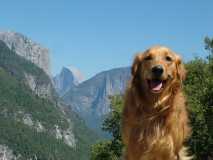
(97, 35)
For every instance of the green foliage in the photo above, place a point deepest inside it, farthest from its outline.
(18, 66)
(197, 87)
(30, 143)
(17, 99)
(199, 90)
(209, 46)
(103, 151)
(110, 149)
(15, 96)
(84, 136)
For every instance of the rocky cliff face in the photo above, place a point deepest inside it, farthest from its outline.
(68, 78)
(6, 153)
(36, 54)
(91, 98)
(41, 88)
(28, 49)
(32, 125)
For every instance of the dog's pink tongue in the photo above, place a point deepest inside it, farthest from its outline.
(156, 86)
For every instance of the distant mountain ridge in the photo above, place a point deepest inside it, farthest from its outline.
(90, 99)
(28, 49)
(68, 78)
(78, 76)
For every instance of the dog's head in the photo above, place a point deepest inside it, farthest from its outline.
(157, 70)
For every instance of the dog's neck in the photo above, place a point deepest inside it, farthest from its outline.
(157, 103)
(161, 101)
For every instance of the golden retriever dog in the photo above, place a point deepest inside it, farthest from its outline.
(154, 120)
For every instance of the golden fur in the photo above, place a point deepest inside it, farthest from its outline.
(155, 125)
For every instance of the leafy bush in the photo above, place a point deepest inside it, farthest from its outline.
(199, 90)
(110, 149)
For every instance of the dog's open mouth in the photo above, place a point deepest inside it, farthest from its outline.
(156, 85)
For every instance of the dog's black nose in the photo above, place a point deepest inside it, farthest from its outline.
(157, 70)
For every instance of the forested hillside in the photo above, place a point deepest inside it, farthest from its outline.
(34, 125)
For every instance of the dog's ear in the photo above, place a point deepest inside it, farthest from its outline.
(181, 71)
(136, 64)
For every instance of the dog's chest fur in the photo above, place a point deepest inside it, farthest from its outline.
(154, 135)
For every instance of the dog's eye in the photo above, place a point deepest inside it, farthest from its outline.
(168, 58)
(148, 58)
